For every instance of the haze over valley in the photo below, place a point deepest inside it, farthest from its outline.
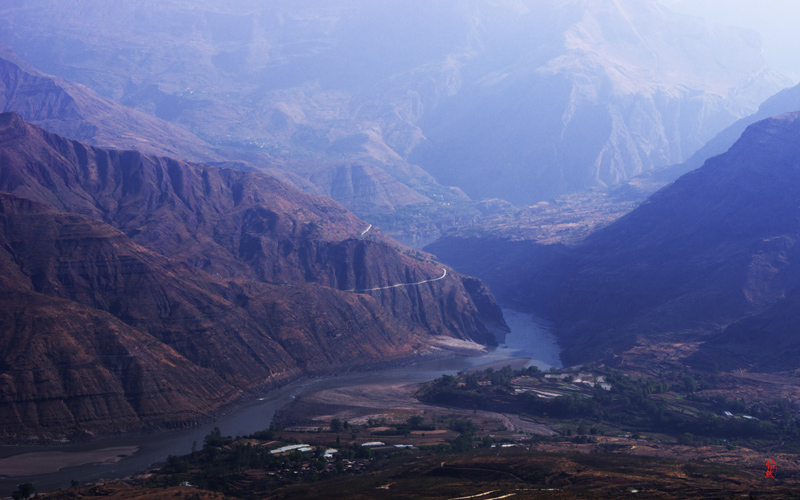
(328, 205)
(383, 106)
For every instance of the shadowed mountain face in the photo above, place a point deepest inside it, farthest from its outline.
(521, 100)
(786, 101)
(235, 279)
(716, 247)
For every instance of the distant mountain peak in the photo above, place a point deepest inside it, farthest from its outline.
(520, 100)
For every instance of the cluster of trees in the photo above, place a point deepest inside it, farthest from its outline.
(413, 423)
(338, 426)
(498, 379)
(629, 404)
(467, 439)
(23, 491)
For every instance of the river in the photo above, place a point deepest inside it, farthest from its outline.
(528, 338)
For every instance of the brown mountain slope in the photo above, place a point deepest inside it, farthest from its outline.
(238, 273)
(68, 368)
(232, 224)
(77, 112)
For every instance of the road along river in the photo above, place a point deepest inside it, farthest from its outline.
(124, 456)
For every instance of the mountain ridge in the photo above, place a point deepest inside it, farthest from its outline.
(540, 92)
(243, 277)
(713, 248)
(75, 111)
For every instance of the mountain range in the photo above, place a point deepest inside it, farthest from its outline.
(148, 292)
(506, 246)
(383, 105)
(165, 248)
(75, 111)
(709, 261)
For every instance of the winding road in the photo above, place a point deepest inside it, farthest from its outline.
(443, 276)
(358, 290)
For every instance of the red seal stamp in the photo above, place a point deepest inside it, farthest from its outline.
(769, 472)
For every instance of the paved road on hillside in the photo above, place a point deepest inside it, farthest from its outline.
(443, 276)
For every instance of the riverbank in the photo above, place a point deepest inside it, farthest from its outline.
(255, 412)
(442, 349)
(390, 402)
(48, 462)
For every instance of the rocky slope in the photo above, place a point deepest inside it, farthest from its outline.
(765, 342)
(714, 248)
(67, 365)
(244, 279)
(522, 100)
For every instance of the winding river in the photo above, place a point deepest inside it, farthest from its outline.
(528, 339)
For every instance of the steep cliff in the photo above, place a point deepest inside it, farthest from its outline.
(72, 369)
(248, 280)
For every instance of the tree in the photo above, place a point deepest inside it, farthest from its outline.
(690, 383)
(461, 443)
(466, 427)
(23, 491)
(214, 439)
(336, 425)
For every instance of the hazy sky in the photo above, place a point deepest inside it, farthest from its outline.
(776, 20)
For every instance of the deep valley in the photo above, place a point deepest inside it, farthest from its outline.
(468, 249)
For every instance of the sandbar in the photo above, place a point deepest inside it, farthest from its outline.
(48, 462)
